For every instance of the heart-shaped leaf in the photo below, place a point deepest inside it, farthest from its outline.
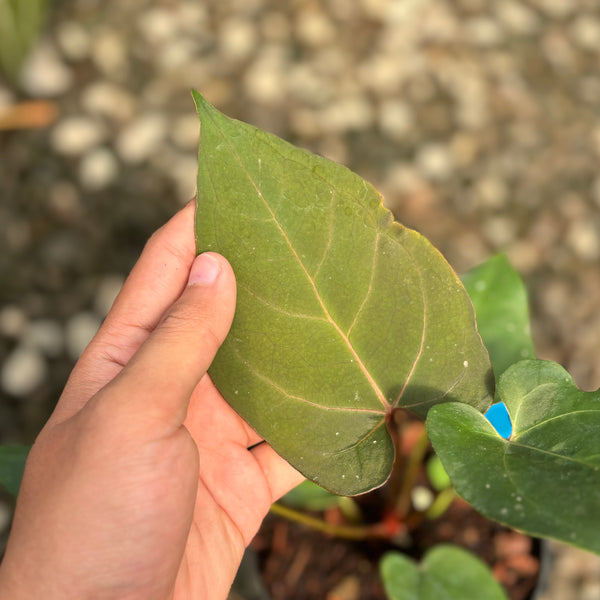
(500, 301)
(544, 480)
(446, 572)
(342, 316)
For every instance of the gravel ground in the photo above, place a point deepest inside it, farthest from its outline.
(478, 122)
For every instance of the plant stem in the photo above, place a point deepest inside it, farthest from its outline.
(351, 532)
(415, 460)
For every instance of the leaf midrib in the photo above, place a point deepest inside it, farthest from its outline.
(381, 397)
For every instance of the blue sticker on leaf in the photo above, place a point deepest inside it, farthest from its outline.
(497, 415)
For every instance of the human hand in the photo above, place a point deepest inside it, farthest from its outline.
(144, 483)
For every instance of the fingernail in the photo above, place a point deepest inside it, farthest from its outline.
(205, 270)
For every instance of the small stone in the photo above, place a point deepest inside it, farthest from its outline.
(590, 590)
(237, 38)
(186, 131)
(191, 17)
(98, 169)
(483, 32)
(23, 371)
(395, 119)
(585, 33)
(375, 9)
(350, 113)
(490, 191)
(422, 498)
(314, 29)
(499, 231)
(107, 99)
(141, 138)
(79, 331)
(12, 321)
(109, 53)
(73, 40)
(177, 53)
(380, 74)
(263, 80)
(109, 288)
(434, 161)
(158, 25)
(347, 589)
(583, 237)
(517, 17)
(44, 74)
(556, 9)
(75, 135)
(44, 335)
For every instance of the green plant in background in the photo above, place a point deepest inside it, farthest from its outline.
(20, 24)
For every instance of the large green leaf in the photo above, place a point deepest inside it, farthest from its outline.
(500, 301)
(342, 316)
(12, 464)
(544, 480)
(445, 573)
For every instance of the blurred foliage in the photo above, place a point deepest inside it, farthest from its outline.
(20, 24)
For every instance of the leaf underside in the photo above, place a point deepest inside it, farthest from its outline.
(543, 480)
(343, 315)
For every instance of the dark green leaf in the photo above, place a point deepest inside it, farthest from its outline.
(445, 573)
(12, 464)
(500, 301)
(544, 480)
(343, 315)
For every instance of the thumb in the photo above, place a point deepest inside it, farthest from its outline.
(160, 378)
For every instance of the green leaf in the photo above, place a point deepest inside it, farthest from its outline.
(501, 306)
(343, 315)
(544, 480)
(446, 572)
(20, 23)
(437, 474)
(12, 464)
(310, 496)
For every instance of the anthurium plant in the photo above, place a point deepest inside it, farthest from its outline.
(353, 334)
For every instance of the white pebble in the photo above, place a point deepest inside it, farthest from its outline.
(73, 40)
(142, 137)
(158, 25)
(12, 321)
(80, 330)
(44, 74)
(109, 53)
(237, 38)
(585, 32)
(483, 32)
(23, 371)
(75, 135)
(395, 119)
(434, 161)
(44, 335)
(107, 99)
(98, 169)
